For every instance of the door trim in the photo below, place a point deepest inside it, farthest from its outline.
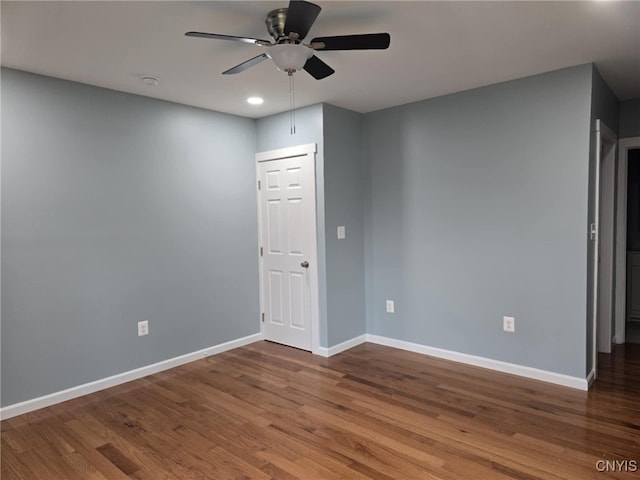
(606, 238)
(602, 132)
(309, 150)
(624, 145)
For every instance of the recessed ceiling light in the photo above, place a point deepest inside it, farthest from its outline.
(150, 81)
(255, 100)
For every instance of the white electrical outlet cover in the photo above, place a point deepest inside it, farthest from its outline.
(341, 232)
(509, 324)
(143, 328)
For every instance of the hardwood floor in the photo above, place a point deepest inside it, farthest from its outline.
(266, 411)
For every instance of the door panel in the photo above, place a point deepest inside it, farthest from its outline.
(273, 227)
(275, 297)
(297, 296)
(296, 225)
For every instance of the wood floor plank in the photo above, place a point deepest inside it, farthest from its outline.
(266, 411)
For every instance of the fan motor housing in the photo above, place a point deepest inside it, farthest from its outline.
(275, 22)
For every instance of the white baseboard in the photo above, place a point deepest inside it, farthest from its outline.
(618, 339)
(505, 367)
(591, 377)
(341, 347)
(87, 388)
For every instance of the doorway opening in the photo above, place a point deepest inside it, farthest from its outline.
(632, 314)
(613, 340)
(626, 212)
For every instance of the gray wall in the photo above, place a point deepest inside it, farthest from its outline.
(477, 208)
(604, 103)
(630, 118)
(344, 194)
(118, 208)
(273, 133)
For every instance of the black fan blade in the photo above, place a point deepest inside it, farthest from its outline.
(300, 17)
(368, 41)
(317, 68)
(245, 65)
(255, 41)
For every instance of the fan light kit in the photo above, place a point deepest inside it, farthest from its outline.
(255, 100)
(289, 57)
(288, 27)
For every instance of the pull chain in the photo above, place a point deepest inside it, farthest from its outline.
(292, 104)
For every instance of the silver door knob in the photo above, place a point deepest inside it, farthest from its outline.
(304, 264)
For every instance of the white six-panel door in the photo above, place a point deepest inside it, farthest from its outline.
(287, 218)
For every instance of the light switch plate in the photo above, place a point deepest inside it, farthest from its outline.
(390, 306)
(341, 232)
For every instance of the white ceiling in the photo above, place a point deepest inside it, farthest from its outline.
(436, 48)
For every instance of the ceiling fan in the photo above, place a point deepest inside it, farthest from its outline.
(289, 27)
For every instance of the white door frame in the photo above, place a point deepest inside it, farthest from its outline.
(602, 132)
(606, 236)
(624, 145)
(309, 151)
